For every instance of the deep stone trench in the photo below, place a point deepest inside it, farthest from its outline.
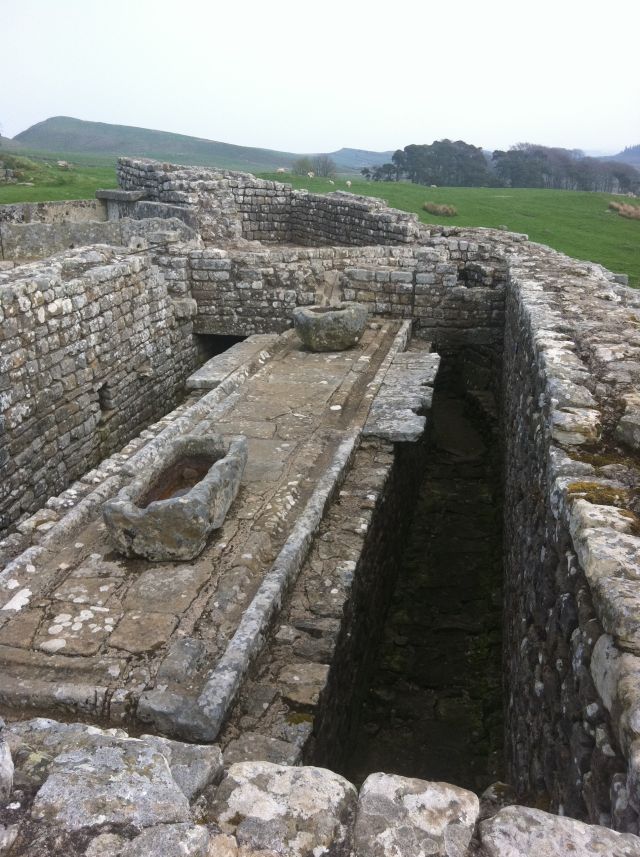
(433, 708)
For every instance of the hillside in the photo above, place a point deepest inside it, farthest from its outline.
(65, 134)
(630, 155)
(356, 159)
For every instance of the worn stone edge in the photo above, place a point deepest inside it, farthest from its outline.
(202, 720)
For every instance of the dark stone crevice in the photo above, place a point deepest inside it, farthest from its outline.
(434, 704)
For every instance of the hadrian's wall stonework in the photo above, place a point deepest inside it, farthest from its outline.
(570, 542)
(452, 287)
(92, 350)
(232, 205)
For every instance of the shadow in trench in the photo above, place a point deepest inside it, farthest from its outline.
(434, 705)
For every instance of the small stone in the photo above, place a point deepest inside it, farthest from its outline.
(251, 746)
(303, 683)
(6, 768)
(8, 835)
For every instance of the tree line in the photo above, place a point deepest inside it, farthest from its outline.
(459, 164)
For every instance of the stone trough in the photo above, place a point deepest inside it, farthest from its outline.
(330, 328)
(169, 511)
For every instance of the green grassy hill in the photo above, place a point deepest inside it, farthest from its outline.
(102, 140)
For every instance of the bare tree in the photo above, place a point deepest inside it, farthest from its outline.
(324, 166)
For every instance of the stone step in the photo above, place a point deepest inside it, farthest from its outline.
(215, 370)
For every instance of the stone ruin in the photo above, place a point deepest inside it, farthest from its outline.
(430, 572)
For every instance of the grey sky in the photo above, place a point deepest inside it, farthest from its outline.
(316, 76)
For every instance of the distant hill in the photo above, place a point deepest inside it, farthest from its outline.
(64, 134)
(356, 159)
(630, 155)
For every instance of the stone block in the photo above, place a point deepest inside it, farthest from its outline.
(398, 815)
(519, 831)
(109, 780)
(294, 812)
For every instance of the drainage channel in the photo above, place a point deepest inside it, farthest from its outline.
(434, 705)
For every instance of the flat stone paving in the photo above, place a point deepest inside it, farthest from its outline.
(96, 630)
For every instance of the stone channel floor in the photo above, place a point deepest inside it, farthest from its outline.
(93, 630)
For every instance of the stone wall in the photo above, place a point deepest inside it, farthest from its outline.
(37, 240)
(571, 555)
(63, 211)
(231, 205)
(344, 218)
(92, 349)
(243, 292)
(228, 205)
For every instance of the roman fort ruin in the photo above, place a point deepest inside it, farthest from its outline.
(413, 627)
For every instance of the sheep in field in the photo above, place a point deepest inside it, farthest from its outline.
(331, 181)
(348, 183)
(310, 174)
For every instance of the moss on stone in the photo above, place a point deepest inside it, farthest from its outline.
(601, 495)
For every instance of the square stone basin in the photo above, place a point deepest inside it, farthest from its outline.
(169, 511)
(330, 328)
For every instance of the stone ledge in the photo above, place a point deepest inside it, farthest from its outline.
(88, 792)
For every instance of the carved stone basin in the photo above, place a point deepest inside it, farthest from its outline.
(330, 328)
(168, 512)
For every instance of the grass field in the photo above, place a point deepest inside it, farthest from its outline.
(50, 182)
(578, 224)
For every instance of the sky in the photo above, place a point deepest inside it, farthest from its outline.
(314, 77)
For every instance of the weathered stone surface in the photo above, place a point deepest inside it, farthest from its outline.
(169, 840)
(397, 412)
(304, 682)
(296, 812)
(408, 817)
(177, 527)
(88, 406)
(8, 835)
(571, 348)
(519, 831)
(253, 747)
(36, 743)
(110, 780)
(331, 328)
(193, 766)
(6, 766)
(139, 632)
(215, 370)
(105, 845)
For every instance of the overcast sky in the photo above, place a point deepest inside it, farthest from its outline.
(300, 76)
